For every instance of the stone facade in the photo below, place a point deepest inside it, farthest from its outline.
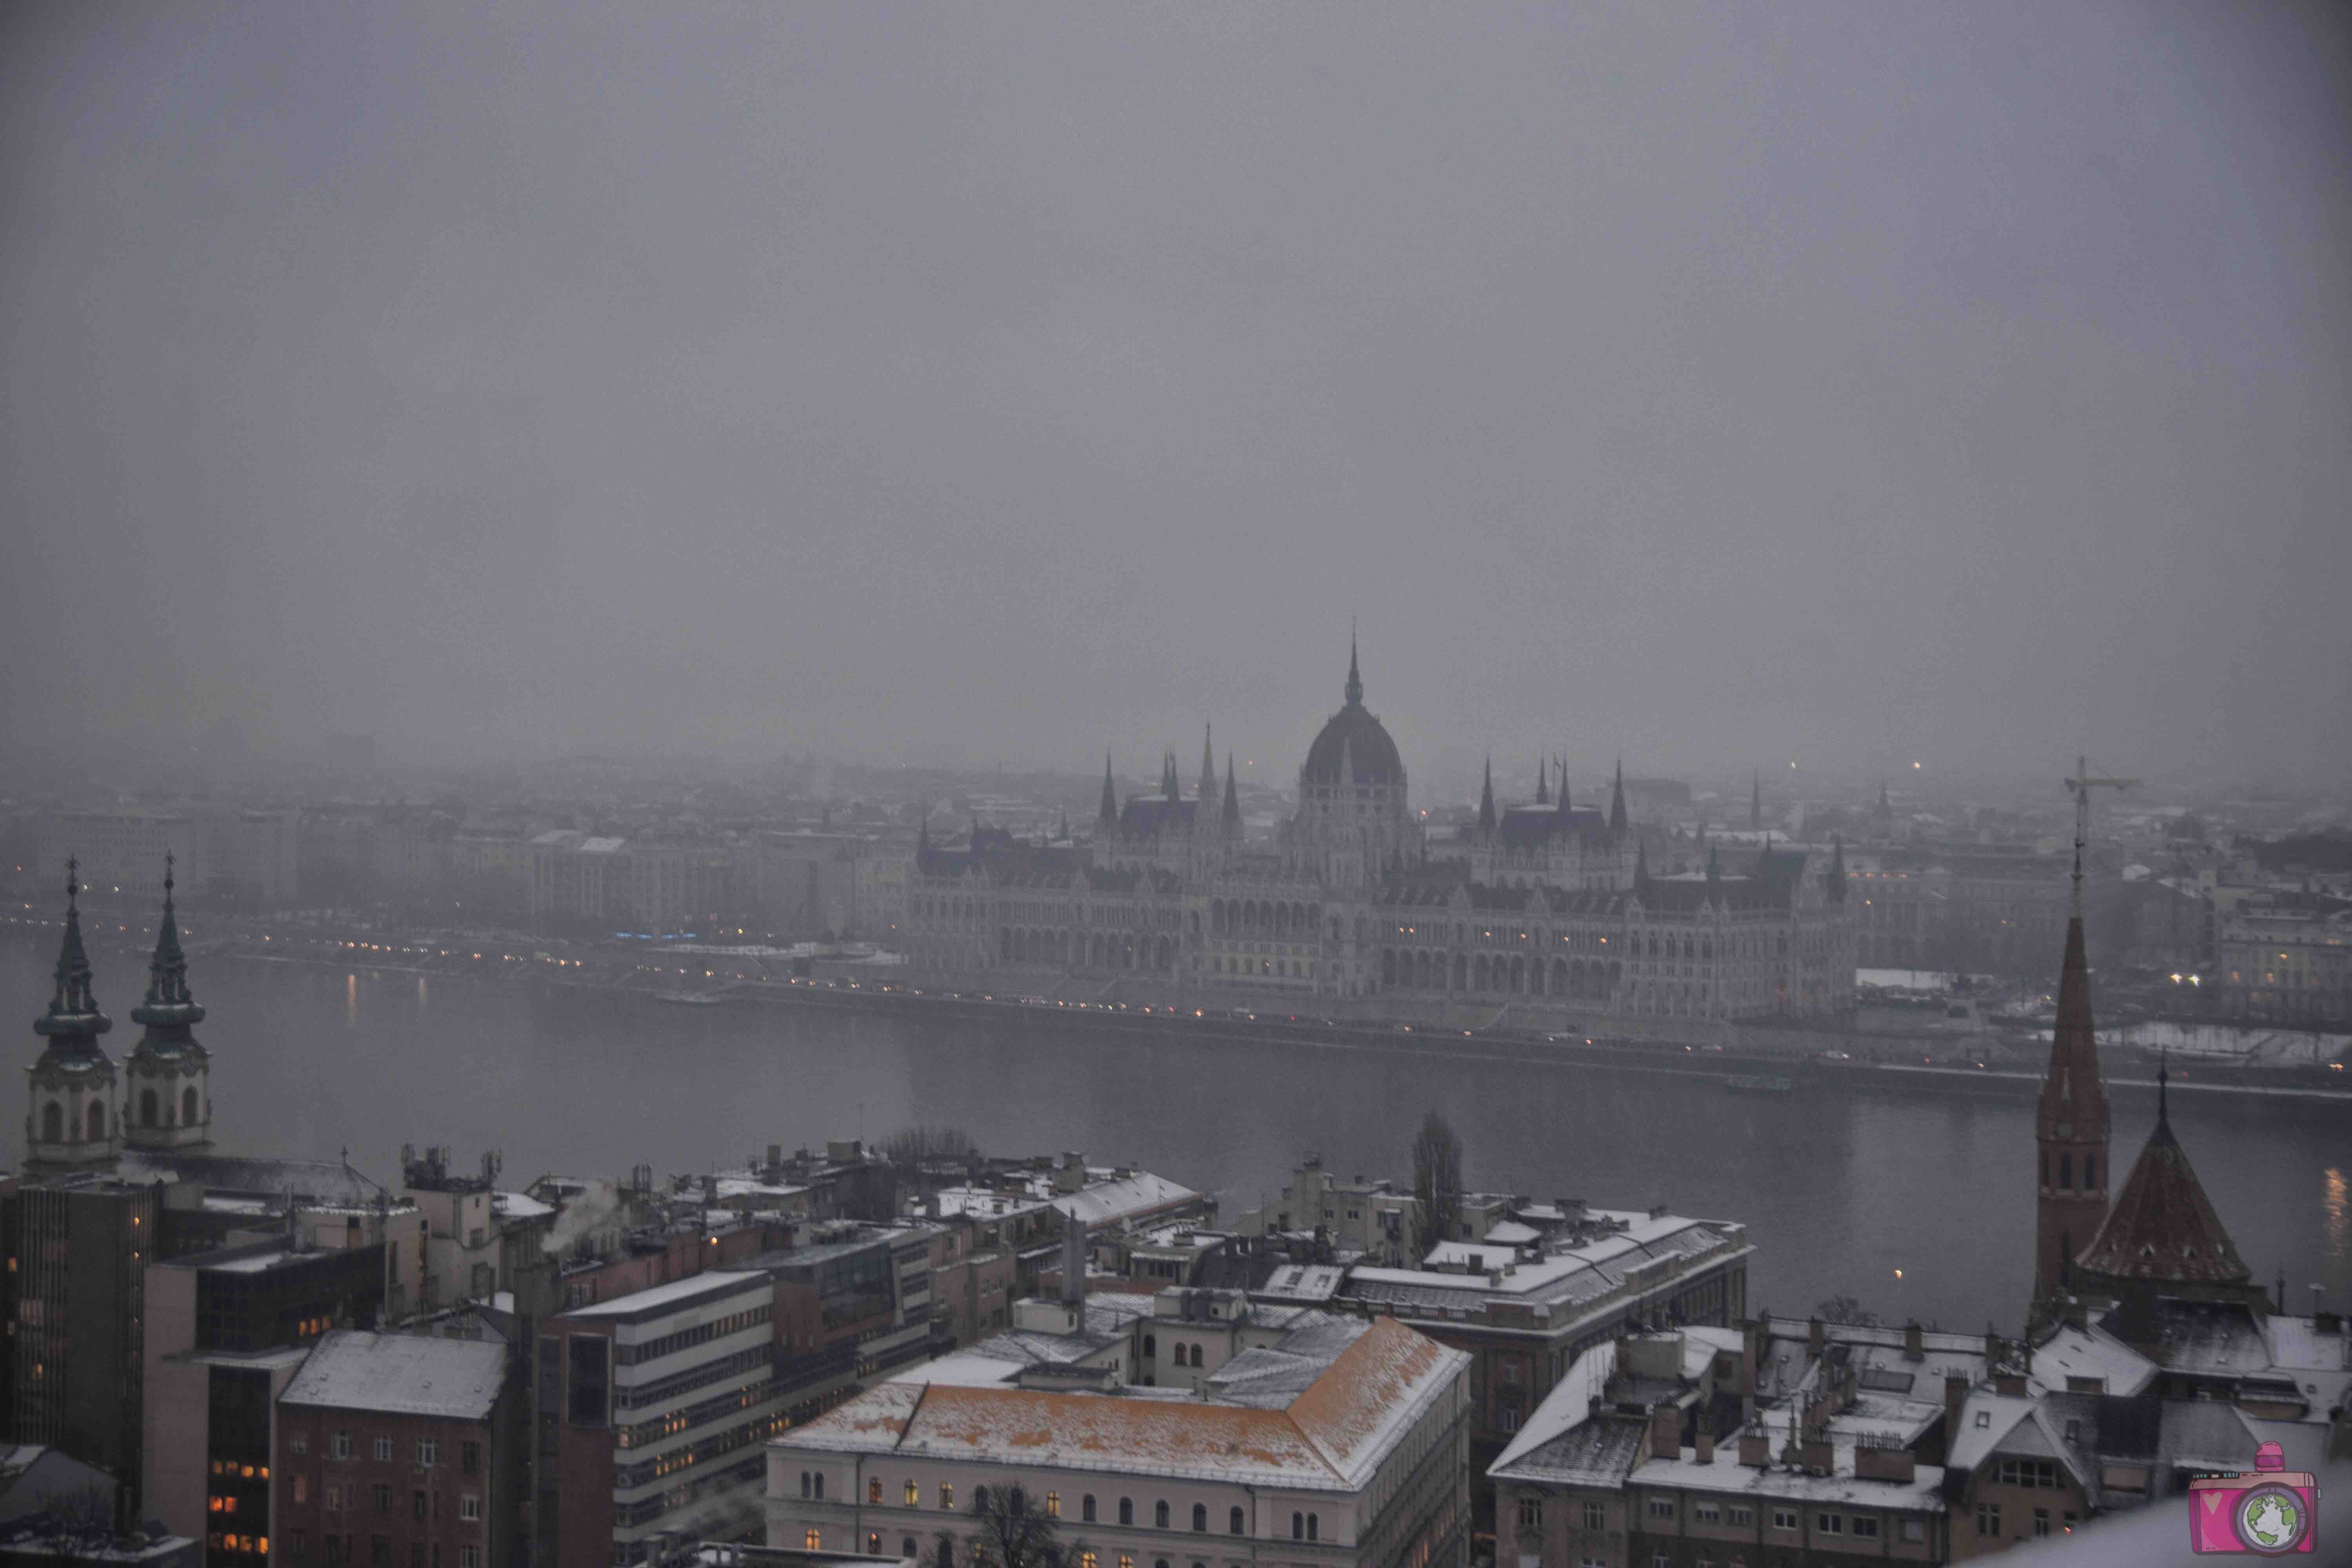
(1546, 908)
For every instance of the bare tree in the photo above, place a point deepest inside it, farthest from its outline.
(1436, 1182)
(1844, 1310)
(928, 1156)
(1007, 1531)
(84, 1523)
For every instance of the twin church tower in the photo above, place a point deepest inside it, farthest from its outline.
(83, 1113)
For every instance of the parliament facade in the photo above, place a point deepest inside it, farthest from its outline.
(1543, 907)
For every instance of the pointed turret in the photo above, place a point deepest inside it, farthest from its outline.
(2070, 1131)
(1487, 800)
(1355, 687)
(1543, 781)
(1563, 786)
(1617, 800)
(71, 1122)
(73, 1021)
(1106, 815)
(1834, 880)
(1642, 871)
(1208, 768)
(2163, 1239)
(1233, 812)
(167, 1101)
(1168, 786)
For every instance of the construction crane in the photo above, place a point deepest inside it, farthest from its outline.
(2080, 786)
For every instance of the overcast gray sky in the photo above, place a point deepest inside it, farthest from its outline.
(1717, 384)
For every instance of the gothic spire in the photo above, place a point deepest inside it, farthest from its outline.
(1755, 800)
(1617, 800)
(1487, 800)
(1355, 677)
(2072, 1089)
(1563, 786)
(1543, 781)
(73, 1006)
(1642, 869)
(1208, 768)
(1834, 885)
(1108, 814)
(168, 1005)
(1168, 786)
(1233, 812)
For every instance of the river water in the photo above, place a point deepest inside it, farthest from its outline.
(1839, 1185)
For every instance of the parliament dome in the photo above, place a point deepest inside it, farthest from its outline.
(1355, 734)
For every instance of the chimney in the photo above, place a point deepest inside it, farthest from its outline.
(1705, 1445)
(1666, 1433)
(1755, 1448)
(1816, 1334)
(1877, 1462)
(1915, 1343)
(1955, 1395)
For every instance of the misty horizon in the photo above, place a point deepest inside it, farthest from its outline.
(1850, 387)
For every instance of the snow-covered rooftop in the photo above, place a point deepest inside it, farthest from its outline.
(401, 1375)
(2091, 1353)
(1331, 1435)
(676, 1293)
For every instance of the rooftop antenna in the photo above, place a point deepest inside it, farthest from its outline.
(2080, 786)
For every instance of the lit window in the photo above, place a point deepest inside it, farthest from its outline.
(814, 1539)
(1052, 1505)
(947, 1494)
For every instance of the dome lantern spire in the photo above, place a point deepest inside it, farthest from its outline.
(168, 1003)
(73, 1005)
(1355, 689)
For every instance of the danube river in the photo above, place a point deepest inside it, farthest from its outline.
(1840, 1185)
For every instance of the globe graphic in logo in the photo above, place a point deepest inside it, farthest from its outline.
(2269, 1519)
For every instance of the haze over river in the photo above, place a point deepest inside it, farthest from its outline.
(1840, 1185)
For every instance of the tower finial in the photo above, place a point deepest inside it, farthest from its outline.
(1355, 676)
(73, 887)
(1543, 781)
(1486, 799)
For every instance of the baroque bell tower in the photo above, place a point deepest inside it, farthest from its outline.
(167, 1088)
(70, 1122)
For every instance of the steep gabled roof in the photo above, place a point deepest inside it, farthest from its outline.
(2163, 1227)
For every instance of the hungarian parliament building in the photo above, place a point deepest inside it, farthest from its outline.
(1544, 908)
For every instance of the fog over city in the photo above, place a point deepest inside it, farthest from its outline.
(1853, 385)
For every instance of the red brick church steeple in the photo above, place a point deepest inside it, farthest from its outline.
(2070, 1132)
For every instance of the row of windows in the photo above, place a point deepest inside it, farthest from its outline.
(654, 1349)
(426, 1451)
(1178, 1349)
(339, 1551)
(1989, 1521)
(345, 1496)
(1303, 1526)
(813, 1539)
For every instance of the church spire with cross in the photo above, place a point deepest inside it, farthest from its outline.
(71, 1121)
(167, 1078)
